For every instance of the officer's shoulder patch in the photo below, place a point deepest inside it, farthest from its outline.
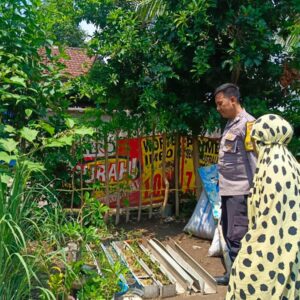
(248, 143)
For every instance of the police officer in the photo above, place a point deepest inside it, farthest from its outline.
(236, 169)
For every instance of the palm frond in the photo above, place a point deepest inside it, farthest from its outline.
(149, 9)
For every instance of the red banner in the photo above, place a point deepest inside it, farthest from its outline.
(137, 173)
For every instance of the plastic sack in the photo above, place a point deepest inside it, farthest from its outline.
(201, 223)
(225, 250)
(210, 177)
(215, 248)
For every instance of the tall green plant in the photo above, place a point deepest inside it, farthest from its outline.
(16, 268)
(19, 269)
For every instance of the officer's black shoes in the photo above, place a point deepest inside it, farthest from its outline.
(222, 280)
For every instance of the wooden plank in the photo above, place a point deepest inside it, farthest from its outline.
(106, 175)
(117, 178)
(73, 180)
(167, 185)
(152, 172)
(195, 154)
(177, 160)
(140, 173)
(128, 178)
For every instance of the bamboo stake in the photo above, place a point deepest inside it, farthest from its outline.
(117, 178)
(164, 177)
(152, 172)
(196, 165)
(177, 152)
(96, 158)
(127, 178)
(73, 180)
(81, 173)
(91, 189)
(81, 182)
(106, 176)
(140, 174)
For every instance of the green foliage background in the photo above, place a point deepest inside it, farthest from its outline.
(165, 66)
(157, 64)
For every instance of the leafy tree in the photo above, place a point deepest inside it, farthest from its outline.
(167, 68)
(61, 21)
(68, 34)
(31, 81)
(29, 86)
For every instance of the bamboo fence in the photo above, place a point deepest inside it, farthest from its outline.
(118, 192)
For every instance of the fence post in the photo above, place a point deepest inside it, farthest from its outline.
(164, 177)
(73, 179)
(177, 160)
(152, 171)
(140, 173)
(128, 178)
(117, 178)
(106, 175)
(196, 164)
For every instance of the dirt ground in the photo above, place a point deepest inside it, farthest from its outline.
(195, 247)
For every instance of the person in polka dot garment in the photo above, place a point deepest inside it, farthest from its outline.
(268, 263)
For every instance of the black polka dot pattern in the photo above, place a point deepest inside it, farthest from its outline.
(288, 247)
(260, 267)
(281, 278)
(247, 262)
(253, 277)
(292, 230)
(242, 295)
(261, 238)
(272, 274)
(242, 275)
(274, 220)
(270, 256)
(263, 287)
(278, 187)
(268, 265)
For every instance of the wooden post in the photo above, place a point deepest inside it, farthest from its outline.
(81, 174)
(96, 158)
(139, 136)
(164, 177)
(152, 172)
(106, 175)
(128, 178)
(177, 160)
(117, 178)
(73, 179)
(196, 165)
(81, 184)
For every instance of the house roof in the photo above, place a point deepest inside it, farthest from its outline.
(79, 62)
(289, 75)
(76, 61)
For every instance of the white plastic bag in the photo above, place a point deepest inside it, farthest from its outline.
(225, 250)
(215, 248)
(201, 223)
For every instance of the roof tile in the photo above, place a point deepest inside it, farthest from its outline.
(77, 62)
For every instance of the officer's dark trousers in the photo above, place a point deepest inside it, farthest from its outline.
(234, 222)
